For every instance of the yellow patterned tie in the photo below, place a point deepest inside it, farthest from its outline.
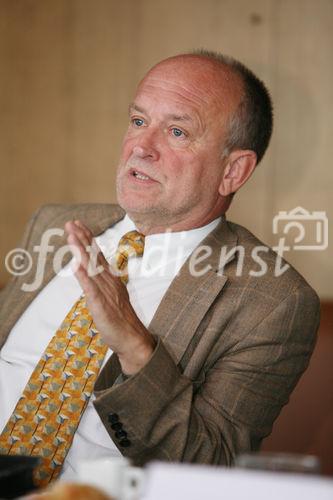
(48, 413)
(130, 245)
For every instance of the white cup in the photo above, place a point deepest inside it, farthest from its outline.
(114, 476)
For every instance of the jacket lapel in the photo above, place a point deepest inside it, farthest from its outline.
(190, 296)
(186, 301)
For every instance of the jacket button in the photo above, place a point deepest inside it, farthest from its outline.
(125, 443)
(117, 426)
(113, 418)
(121, 434)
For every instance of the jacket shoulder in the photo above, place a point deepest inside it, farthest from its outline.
(96, 214)
(266, 271)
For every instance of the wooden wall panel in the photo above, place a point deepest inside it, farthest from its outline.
(302, 147)
(68, 70)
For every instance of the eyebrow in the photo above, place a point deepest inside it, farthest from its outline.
(134, 107)
(171, 116)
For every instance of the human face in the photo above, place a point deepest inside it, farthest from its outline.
(171, 164)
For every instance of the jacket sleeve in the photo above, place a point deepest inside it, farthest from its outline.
(167, 416)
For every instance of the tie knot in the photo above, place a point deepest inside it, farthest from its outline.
(130, 245)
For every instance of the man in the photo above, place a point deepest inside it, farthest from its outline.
(204, 354)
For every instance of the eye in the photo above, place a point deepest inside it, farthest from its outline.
(177, 132)
(138, 122)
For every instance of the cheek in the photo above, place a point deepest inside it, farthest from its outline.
(181, 163)
(126, 148)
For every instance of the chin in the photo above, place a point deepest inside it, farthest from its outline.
(134, 202)
(135, 206)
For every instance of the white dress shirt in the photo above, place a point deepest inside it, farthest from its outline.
(149, 278)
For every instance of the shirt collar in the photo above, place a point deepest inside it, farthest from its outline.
(162, 250)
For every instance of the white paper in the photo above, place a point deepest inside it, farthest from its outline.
(195, 482)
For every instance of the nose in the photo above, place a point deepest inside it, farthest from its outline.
(146, 147)
(145, 152)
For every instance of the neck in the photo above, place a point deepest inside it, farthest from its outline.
(148, 226)
(160, 222)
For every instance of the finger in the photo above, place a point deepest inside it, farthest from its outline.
(91, 257)
(83, 228)
(87, 239)
(99, 299)
(84, 236)
(87, 284)
(70, 227)
(78, 237)
(78, 250)
(98, 254)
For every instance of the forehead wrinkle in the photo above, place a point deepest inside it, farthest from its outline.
(172, 116)
(180, 90)
(180, 118)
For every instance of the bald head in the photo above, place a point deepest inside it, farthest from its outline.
(243, 100)
(219, 86)
(218, 79)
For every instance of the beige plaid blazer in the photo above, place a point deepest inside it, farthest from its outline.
(231, 347)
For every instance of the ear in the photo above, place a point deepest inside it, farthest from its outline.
(238, 169)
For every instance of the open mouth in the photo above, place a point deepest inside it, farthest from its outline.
(140, 175)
